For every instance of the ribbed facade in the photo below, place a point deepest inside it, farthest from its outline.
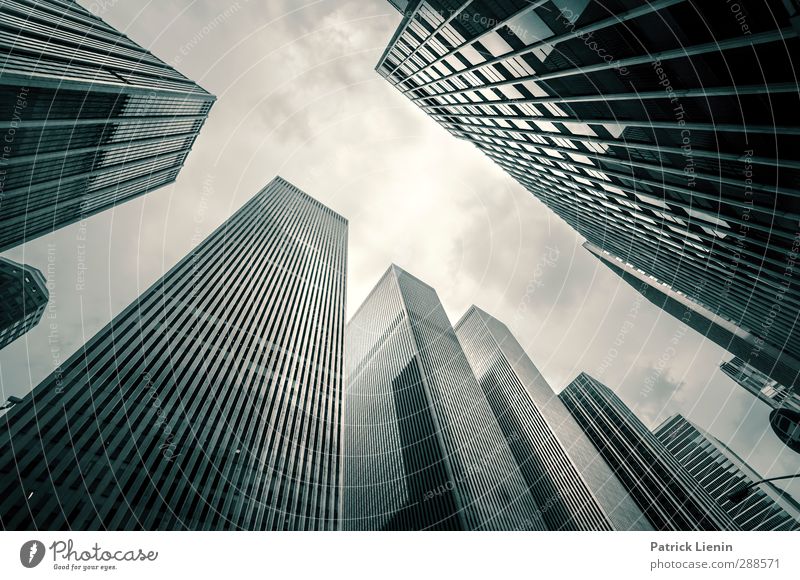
(212, 402)
(572, 484)
(423, 450)
(760, 385)
(662, 131)
(23, 299)
(719, 470)
(88, 118)
(666, 493)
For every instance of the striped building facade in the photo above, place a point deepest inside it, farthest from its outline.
(423, 450)
(667, 494)
(212, 402)
(571, 482)
(719, 470)
(88, 118)
(665, 132)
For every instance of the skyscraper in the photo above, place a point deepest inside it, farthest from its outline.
(23, 299)
(212, 402)
(667, 494)
(719, 470)
(761, 386)
(423, 450)
(662, 133)
(88, 118)
(780, 365)
(571, 482)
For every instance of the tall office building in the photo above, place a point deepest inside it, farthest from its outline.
(212, 402)
(719, 470)
(663, 133)
(667, 494)
(571, 482)
(780, 365)
(423, 450)
(23, 299)
(88, 118)
(760, 385)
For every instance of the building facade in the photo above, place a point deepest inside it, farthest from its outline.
(758, 384)
(89, 118)
(661, 133)
(572, 484)
(666, 493)
(423, 450)
(23, 299)
(749, 348)
(719, 470)
(212, 402)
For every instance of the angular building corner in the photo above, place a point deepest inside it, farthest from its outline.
(212, 402)
(423, 450)
(571, 482)
(89, 118)
(23, 299)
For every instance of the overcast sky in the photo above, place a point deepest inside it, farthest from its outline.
(298, 96)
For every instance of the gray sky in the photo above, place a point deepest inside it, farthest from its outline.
(298, 96)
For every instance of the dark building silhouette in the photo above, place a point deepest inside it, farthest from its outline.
(719, 470)
(212, 402)
(23, 299)
(571, 482)
(662, 132)
(667, 494)
(423, 450)
(88, 118)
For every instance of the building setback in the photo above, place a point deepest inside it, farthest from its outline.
(666, 493)
(23, 299)
(212, 402)
(631, 123)
(571, 482)
(768, 390)
(723, 332)
(423, 450)
(88, 118)
(719, 470)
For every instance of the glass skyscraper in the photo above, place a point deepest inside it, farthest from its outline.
(423, 450)
(719, 470)
(88, 118)
(649, 127)
(212, 402)
(23, 299)
(668, 495)
(571, 482)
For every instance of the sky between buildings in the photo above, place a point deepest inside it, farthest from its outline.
(298, 96)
